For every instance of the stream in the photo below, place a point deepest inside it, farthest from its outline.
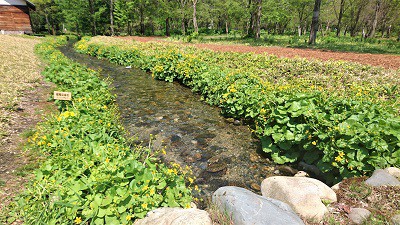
(168, 115)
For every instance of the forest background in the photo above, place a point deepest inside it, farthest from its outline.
(242, 18)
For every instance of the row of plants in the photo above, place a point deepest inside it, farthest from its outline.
(90, 173)
(343, 129)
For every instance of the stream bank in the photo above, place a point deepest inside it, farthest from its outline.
(168, 115)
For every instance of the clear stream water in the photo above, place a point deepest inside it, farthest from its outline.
(193, 133)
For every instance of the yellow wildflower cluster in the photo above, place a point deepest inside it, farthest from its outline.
(340, 157)
(65, 115)
(232, 88)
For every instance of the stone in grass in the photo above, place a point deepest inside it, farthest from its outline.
(396, 219)
(247, 208)
(305, 195)
(175, 216)
(358, 215)
(393, 171)
(382, 177)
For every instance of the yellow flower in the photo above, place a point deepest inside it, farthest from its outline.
(144, 205)
(145, 188)
(49, 144)
(71, 114)
(78, 220)
(314, 143)
(190, 180)
(338, 158)
(128, 217)
(341, 154)
(107, 160)
(44, 137)
(152, 192)
(59, 118)
(163, 151)
(196, 187)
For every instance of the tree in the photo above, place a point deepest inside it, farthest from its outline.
(112, 17)
(196, 28)
(375, 20)
(258, 19)
(340, 17)
(314, 22)
(302, 9)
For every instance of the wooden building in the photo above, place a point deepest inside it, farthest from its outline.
(14, 16)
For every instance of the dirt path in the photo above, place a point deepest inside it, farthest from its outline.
(384, 60)
(16, 164)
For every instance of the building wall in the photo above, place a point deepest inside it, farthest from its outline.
(15, 18)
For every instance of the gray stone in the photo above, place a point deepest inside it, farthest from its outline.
(305, 195)
(396, 219)
(247, 208)
(175, 216)
(358, 215)
(381, 177)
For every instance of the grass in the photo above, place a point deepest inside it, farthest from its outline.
(327, 42)
(19, 70)
(2, 183)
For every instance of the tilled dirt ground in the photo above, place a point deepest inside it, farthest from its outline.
(16, 164)
(384, 60)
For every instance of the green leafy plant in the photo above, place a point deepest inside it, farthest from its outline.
(301, 110)
(91, 174)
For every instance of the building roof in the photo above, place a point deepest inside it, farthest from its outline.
(30, 5)
(18, 3)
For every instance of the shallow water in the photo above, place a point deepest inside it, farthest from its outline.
(194, 133)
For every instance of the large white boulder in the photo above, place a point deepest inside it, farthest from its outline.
(175, 216)
(305, 195)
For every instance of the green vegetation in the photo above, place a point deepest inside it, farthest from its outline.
(90, 173)
(242, 18)
(339, 116)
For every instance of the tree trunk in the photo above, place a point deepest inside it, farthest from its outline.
(328, 27)
(249, 25)
(112, 17)
(183, 4)
(258, 20)
(183, 25)
(47, 23)
(142, 28)
(375, 22)
(388, 31)
(340, 17)
(93, 20)
(299, 30)
(129, 27)
(196, 28)
(226, 27)
(314, 23)
(167, 27)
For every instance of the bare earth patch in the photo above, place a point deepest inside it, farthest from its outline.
(384, 60)
(23, 95)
